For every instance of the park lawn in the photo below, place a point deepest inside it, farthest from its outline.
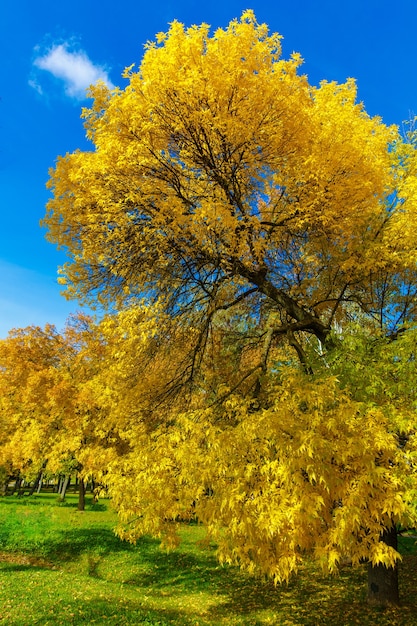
(62, 566)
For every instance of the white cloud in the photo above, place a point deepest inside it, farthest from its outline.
(36, 86)
(75, 69)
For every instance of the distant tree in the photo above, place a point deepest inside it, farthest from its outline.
(48, 414)
(29, 361)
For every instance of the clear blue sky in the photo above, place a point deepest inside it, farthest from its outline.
(49, 50)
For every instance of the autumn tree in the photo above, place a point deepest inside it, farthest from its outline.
(28, 371)
(48, 410)
(262, 216)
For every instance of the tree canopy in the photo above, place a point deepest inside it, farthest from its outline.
(49, 415)
(219, 173)
(258, 235)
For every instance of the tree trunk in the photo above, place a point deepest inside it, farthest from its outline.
(40, 484)
(64, 486)
(37, 483)
(81, 495)
(383, 581)
(16, 485)
(57, 485)
(5, 486)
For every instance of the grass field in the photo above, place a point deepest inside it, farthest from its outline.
(62, 566)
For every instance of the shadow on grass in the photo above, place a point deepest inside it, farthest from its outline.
(70, 544)
(22, 567)
(50, 498)
(109, 612)
(25, 500)
(309, 600)
(196, 570)
(312, 599)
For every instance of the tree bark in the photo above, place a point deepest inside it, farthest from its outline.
(37, 483)
(308, 321)
(382, 580)
(5, 485)
(81, 495)
(57, 485)
(38, 490)
(64, 486)
(16, 485)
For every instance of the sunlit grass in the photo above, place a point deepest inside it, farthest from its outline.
(60, 566)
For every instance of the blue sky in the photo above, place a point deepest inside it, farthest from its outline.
(51, 50)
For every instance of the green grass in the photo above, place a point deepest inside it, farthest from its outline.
(59, 566)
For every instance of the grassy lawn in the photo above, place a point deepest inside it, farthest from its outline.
(60, 566)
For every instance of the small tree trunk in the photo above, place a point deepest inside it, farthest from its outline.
(383, 581)
(61, 484)
(38, 490)
(21, 487)
(81, 495)
(16, 485)
(37, 483)
(64, 486)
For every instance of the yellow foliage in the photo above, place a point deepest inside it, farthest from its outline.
(220, 163)
(240, 219)
(49, 410)
(317, 472)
